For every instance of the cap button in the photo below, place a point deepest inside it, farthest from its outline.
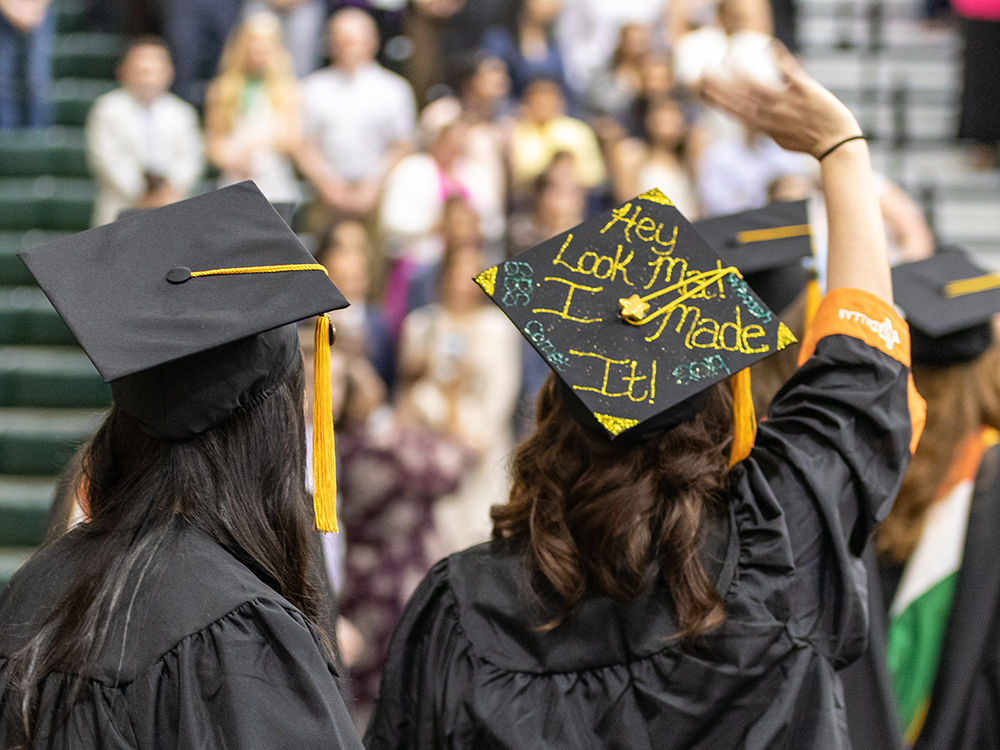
(178, 275)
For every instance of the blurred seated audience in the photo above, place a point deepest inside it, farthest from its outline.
(301, 29)
(345, 252)
(659, 160)
(412, 209)
(528, 46)
(144, 145)
(27, 32)
(358, 121)
(733, 174)
(252, 117)
(543, 129)
(389, 478)
(459, 370)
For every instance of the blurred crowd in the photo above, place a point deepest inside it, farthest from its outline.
(415, 144)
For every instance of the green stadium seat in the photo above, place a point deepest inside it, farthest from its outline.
(71, 16)
(27, 317)
(72, 98)
(53, 151)
(24, 507)
(46, 202)
(40, 442)
(86, 55)
(61, 378)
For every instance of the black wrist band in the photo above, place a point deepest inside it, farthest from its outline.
(838, 145)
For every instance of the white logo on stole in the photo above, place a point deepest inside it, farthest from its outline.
(884, 330)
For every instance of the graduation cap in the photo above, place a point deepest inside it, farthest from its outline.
(767, 245)
(949, 302)
(186, 311)
(637, 315)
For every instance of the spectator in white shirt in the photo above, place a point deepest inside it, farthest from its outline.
(359, 119)
(144, 147)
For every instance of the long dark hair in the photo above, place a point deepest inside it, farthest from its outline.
(594, 515)
(242, 483)
(960, 399)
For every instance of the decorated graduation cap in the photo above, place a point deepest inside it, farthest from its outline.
(637, 315)
(949, 302)
(767, 245)
(186, 311)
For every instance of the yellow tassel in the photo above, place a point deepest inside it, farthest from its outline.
(744, 418)
(813, 297)
(324, 459)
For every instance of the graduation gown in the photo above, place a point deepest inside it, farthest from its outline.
(468, 667)
(964, 712)
(212, 657)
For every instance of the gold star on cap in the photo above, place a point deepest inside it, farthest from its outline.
(633, 308)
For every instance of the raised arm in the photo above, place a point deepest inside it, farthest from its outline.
(804, 116)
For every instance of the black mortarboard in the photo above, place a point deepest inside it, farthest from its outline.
(949, 302)
(768, 245)
(636, 314)
(286, 211)
(185, 309)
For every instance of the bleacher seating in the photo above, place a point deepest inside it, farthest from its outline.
(51, 397)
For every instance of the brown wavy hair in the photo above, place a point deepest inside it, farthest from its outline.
(960, 400)
(598, 516)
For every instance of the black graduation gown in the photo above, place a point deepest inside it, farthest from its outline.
(964, 712)
(468, 668)
(212, 658)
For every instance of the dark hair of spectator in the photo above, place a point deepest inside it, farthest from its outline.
(146, 40)
(242, 483)
(593, 514)
(960, 399)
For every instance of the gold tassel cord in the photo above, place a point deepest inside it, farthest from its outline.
(961, 287)
(744, 418)
(261, 269)
(773, 233)
(324, 459)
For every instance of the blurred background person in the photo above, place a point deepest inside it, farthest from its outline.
(301, 29)
(412, 209)
(588, 30)
(27, 32)
(358, 122)
(658, 159)
(542, 130)
(527, 45)
(196, 32)
(345, 252)
(558, 203)
(613, 91)
(459, 371)
(484, 90)
(733, 173)
(979, 116)
(252, 117)
(144, 144)
(389, 479)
